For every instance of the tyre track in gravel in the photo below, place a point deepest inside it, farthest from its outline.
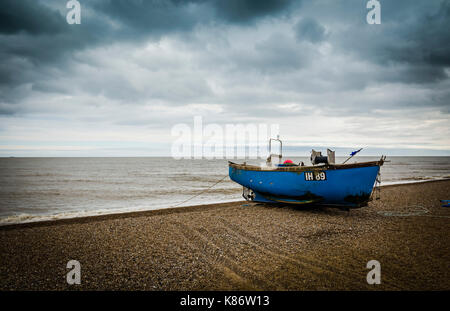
(279, 255)
(362, 220)
(310, 265)
(223, 263)
(316, 265)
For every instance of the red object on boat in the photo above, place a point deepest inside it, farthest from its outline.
(288, 162)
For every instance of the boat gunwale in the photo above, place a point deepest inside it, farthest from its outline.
(249, 167)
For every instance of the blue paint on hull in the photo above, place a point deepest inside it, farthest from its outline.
(350, 187)
(445, 203)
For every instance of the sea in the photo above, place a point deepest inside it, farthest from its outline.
(35, 189)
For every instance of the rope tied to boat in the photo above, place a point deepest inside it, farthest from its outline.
(377, 188)
(414, 210)
(200, 193)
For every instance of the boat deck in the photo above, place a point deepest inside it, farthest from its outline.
(298, 168)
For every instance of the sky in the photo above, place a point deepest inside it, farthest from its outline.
(119, 82)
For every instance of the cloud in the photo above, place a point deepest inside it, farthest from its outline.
(413, 35)
(428, 43)
(153, 18)
(310, 30)
(136, 68)
(245, 11)
(30, 17)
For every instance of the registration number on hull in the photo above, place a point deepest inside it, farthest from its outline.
(315, 176)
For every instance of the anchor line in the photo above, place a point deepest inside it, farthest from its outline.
(203, 191)
(419, 210)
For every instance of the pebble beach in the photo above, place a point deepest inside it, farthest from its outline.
(241, 246)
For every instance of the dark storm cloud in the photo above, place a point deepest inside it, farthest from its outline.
(29, 16)
(39, 33)
(315, 66)
(38, 45)
(414, 35)
(155, 17)
(428, 41)
(244, 11)
(35, 36)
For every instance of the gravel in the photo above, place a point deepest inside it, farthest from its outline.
(240, 246)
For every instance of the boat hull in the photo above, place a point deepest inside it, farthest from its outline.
(345, 185)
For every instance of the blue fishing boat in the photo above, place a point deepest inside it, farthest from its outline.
(323, 183)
